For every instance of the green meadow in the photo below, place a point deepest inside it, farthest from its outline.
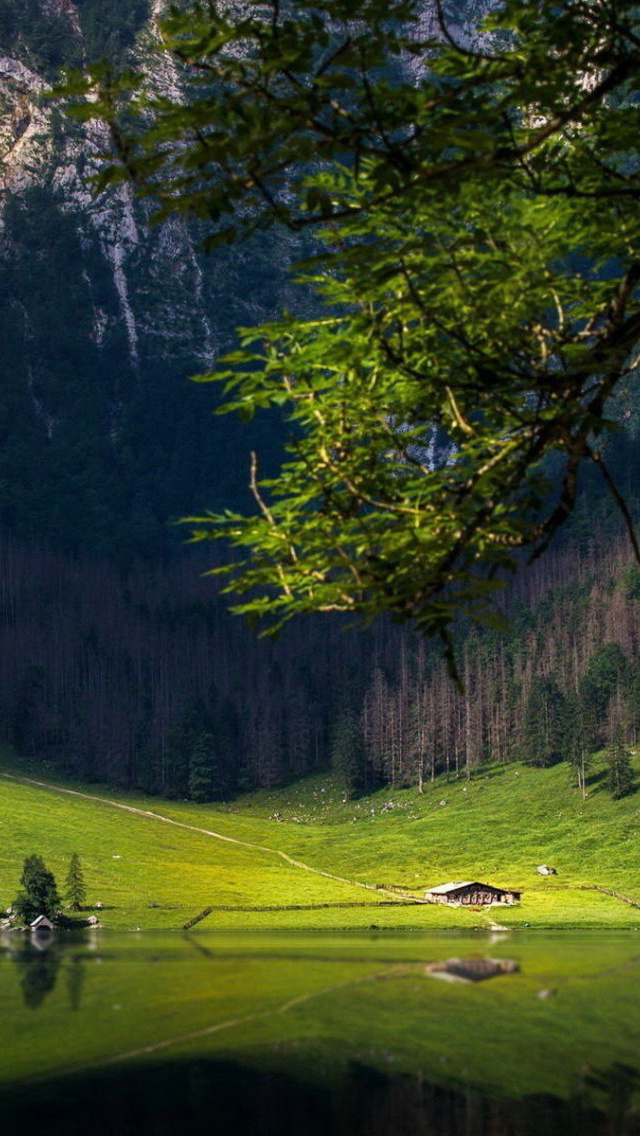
(157, 872)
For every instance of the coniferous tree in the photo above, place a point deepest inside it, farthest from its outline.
(605, 673)
(348, 753)
(76, 891)
(39, 894)
(203, 769)
(579, 739)
(543, 722)
(632, 699)
(620, 781)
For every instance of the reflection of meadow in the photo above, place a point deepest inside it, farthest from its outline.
(566, 1008)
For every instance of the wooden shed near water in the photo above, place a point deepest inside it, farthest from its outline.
(471, 893)
(41, 927)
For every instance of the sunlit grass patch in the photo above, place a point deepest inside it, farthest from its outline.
(496, 828)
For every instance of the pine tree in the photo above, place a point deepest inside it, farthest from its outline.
(39, 894)
(202, 769)
(620, 780)
(347, 753)
(76, 891)
(543, 723)
(578, 743)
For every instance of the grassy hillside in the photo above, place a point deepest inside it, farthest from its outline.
(497, 828)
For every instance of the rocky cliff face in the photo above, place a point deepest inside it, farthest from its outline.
(103, 315)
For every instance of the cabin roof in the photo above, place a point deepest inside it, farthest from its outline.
(41, 921)
(444, 889)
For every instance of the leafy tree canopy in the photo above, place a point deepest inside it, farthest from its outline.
(474, 192)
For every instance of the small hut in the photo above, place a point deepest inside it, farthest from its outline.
(41, 927)
(471, 893)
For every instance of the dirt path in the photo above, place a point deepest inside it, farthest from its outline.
(146, 813)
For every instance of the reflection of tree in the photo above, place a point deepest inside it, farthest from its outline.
(76, 975)
(236, 1098)
(39, 974)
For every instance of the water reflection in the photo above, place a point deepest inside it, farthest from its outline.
(233, 1099)
(317, 1035)
(38, 966)
(475, 968)
(38, 961)
(75, 977)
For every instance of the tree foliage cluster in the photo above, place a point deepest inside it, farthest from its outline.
(39, 893)
(474, 192)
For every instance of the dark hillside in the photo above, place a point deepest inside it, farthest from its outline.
(140, 676)
(117, 660)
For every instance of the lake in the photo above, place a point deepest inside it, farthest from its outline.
(353, 1035)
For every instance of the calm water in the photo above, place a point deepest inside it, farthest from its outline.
(349, 1035)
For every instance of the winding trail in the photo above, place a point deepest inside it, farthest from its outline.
(149, 815)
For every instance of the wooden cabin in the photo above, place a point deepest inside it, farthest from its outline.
(471, 893)
(41, 926)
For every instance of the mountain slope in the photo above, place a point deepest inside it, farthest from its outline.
(104, 316)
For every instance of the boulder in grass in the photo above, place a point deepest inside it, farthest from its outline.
(545, 870)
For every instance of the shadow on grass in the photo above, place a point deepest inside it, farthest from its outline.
(488, 773)
(597, 783)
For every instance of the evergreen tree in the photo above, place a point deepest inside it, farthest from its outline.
(76, 891)
(578, 742)
(348, 754)
(203, 769)
(39, 894)
(620, 780)
(605, 674)
(543, 723)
